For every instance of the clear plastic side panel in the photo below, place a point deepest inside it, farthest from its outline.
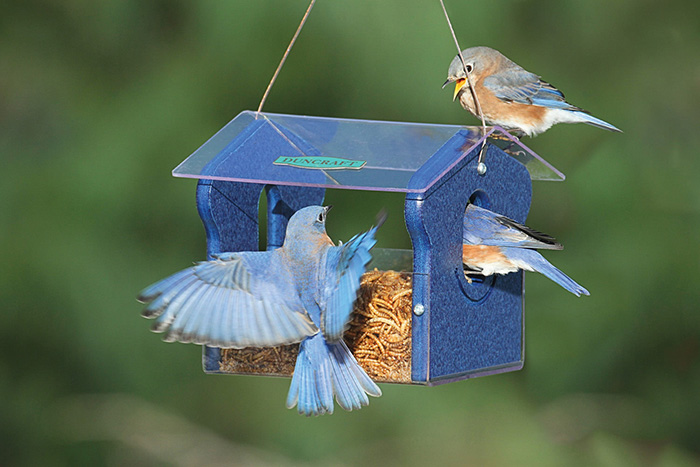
(538, 168)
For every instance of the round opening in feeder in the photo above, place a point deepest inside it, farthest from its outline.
(475, 287)
(479, 198)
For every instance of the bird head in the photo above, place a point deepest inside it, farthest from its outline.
(307, 223)
(476, 61)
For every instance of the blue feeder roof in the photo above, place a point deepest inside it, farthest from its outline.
(343, 153)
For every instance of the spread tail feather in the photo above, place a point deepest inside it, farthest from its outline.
(323, 370)
(550, 271)
(350, 382)
(531, 260)
(591, 120)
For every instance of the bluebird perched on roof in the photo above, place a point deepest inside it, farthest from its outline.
(301, 292)
(511, 96)
(495, 244)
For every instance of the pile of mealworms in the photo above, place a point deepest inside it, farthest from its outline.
(272, 361)
(380, 331)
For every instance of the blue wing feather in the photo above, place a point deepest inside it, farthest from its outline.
(230, 302)
(344, 266)
(516, 84)
(484, 227)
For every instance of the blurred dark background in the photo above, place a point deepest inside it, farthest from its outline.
(100, 100)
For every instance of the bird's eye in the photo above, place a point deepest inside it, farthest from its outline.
(321, 217)
(469, 67)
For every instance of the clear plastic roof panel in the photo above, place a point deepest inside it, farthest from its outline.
(341, 153)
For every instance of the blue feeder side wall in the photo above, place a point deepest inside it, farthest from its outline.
(466, 329)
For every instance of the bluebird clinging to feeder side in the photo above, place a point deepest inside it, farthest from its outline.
(511, 96)
(277, 297)
(495, 244)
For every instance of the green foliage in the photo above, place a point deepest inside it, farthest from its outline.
(100, 100)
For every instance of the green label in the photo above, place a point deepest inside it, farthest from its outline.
(319, 162)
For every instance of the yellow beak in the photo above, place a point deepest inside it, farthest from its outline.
(459, 84)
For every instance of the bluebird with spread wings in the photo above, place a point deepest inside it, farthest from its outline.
(301, 292)
(495, 244)
(511, 96)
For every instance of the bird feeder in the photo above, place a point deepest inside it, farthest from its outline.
(436, 325)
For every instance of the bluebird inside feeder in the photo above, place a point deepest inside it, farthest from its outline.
(417, 318)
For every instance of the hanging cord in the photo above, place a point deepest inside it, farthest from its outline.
(284, 57)
(480, 167)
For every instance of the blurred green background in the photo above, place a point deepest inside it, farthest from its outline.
(100, 100)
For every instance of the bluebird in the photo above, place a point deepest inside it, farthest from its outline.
(511, 96)
(301, 292)
(495, 244)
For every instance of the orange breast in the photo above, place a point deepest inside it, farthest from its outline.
(528, 114)
(481, 254)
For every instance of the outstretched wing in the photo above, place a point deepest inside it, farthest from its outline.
(340, 281)
(484, 227)
(236, 300)
(516, 84)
